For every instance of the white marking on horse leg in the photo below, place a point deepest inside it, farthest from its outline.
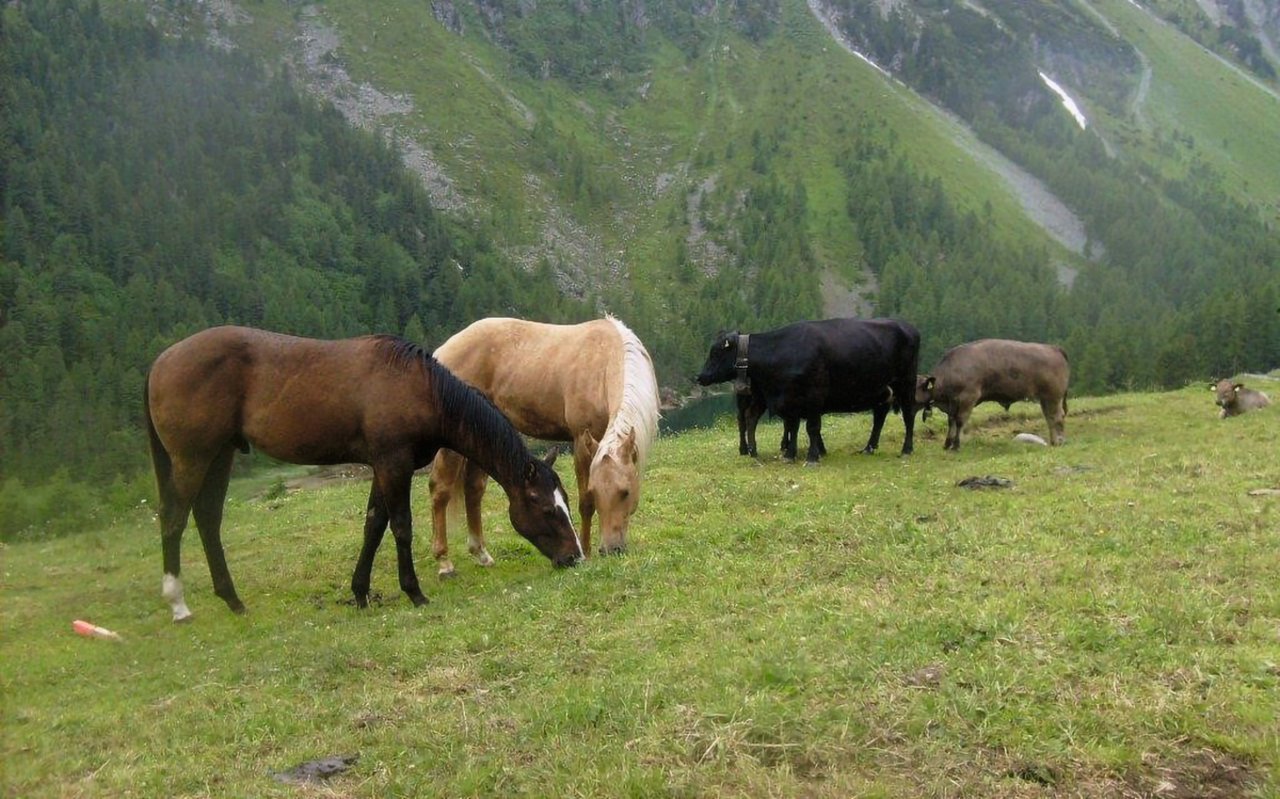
(445, 568)
(475, 546)
(563, 505)
(172, 592)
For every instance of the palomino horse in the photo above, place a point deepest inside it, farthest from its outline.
(592, 384)
(377, 400)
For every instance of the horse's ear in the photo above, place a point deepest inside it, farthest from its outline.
(588, 442)
(551, 456)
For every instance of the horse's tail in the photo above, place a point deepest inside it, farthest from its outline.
(160, 459)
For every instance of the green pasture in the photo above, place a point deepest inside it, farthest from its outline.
(1197, 97)
(1110, 626)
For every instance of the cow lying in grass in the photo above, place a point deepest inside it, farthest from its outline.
(1234, 399)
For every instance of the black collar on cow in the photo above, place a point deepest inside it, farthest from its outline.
(742, 384)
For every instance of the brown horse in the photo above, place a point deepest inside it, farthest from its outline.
(592, 384)
(377, 400)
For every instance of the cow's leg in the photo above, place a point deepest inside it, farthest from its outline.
(813, 427)
(446, 480)
(1056, 417)
(207, 510)
(909, 426)
(375, 525)
(822, 444)
(790, 432)
(475, 481)
(754, 412)
(961, 418)
(744, 403)
(953, 433)
(878, 415)
(394, 477)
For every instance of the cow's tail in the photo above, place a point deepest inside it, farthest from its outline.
(160, 459)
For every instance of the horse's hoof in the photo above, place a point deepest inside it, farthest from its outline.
(484, 559)
(814, 462)
(182, 618)
(418, 600)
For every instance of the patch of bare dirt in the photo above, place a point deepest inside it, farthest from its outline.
(330, 475)
(1203, 774)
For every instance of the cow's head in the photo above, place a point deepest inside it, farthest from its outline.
(720, 361)
(924, 395)
(1225, 392)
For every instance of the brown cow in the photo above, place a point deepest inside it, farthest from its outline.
(997, 370)
(1234, 399)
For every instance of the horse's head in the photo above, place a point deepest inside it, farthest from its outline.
(539, 511)
(614, 484)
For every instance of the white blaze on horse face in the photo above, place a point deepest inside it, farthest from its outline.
(563, 505)
(172, 592)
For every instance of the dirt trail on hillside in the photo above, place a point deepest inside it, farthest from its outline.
(365, 106)
(1040, 204)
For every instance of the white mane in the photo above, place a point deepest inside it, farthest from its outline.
(638, 410)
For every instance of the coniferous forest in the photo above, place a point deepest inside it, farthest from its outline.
(154, 186)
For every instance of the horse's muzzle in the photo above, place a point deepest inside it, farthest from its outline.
(566, 561)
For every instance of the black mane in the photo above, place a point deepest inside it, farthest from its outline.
(461, 401)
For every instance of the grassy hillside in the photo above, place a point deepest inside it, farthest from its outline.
(1198, 107)
(614, 184)
(1107, 627)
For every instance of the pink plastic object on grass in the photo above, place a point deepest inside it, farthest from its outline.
(93, 631)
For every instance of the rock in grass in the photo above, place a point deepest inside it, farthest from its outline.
(1030, 438)
(989, 481)
(317, 770)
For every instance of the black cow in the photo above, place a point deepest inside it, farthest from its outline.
(806, 369)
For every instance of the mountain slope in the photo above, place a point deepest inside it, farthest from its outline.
(628, 181)
(596, 193)
(688, 166)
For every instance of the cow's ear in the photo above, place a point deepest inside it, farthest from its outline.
(929, 382)
(1213, 387)
(1237, 386)
(728, 342)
